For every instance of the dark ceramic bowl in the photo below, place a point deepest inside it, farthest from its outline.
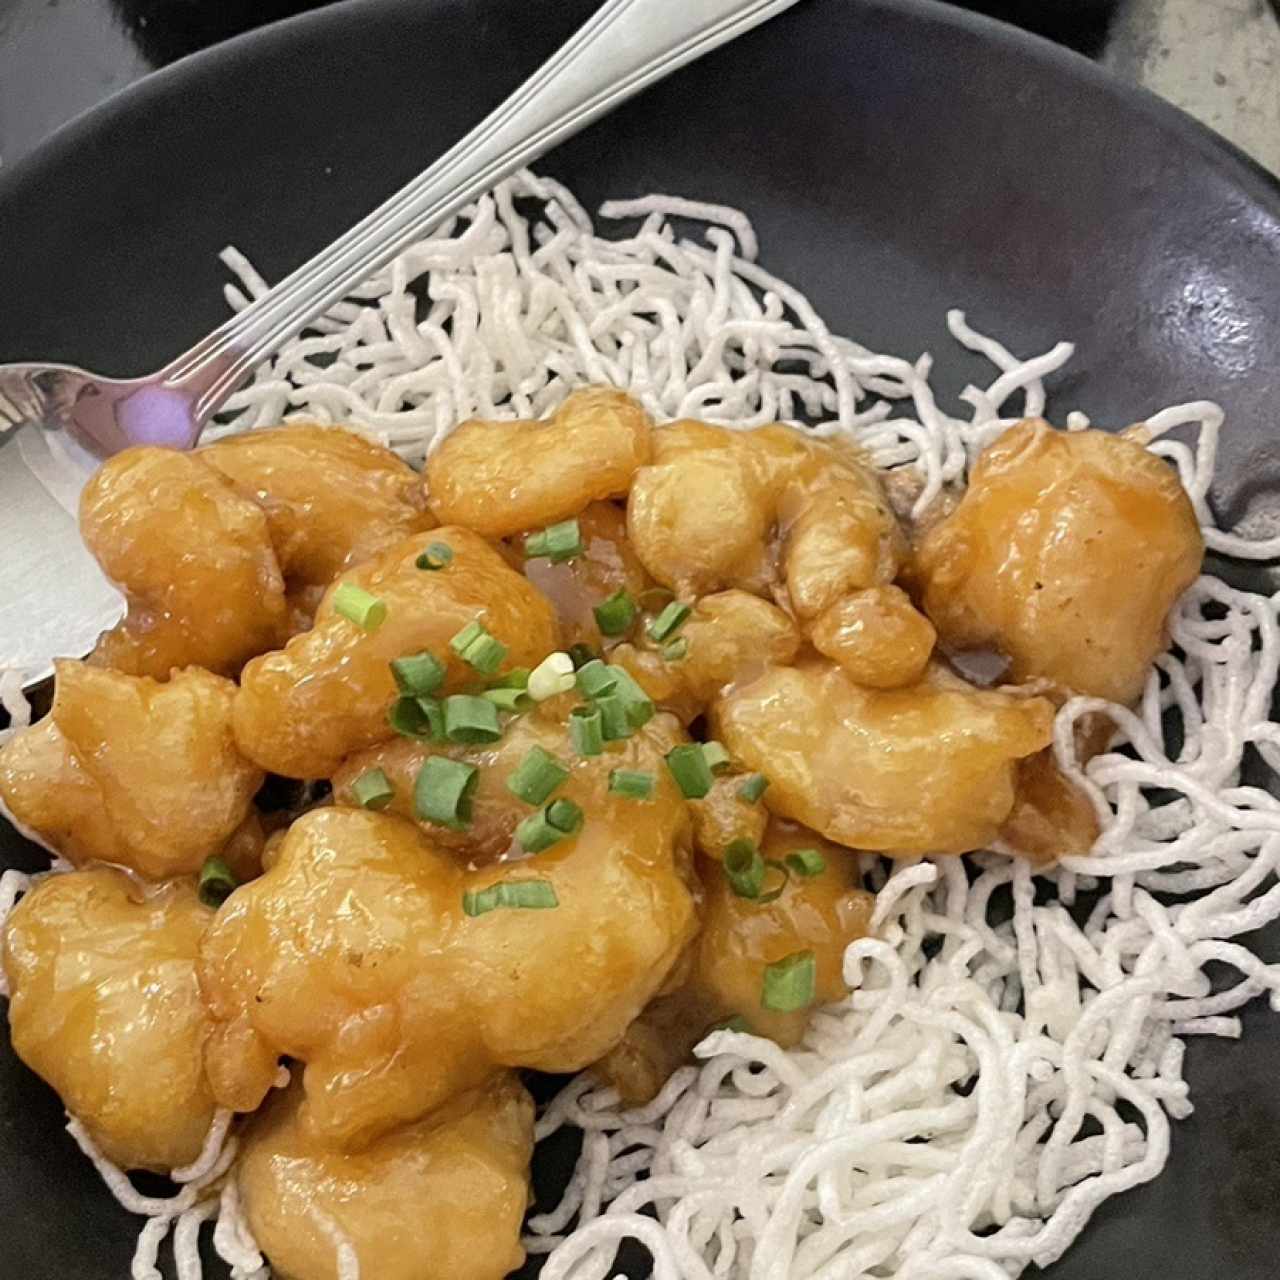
(898, 157)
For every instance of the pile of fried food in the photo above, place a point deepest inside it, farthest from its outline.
(585, 727)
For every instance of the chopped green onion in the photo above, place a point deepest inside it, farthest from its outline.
(553, 675)
(586, 730)
(420, 718)
(508, 699)
(478, 649)
(358, 606)
(718, 759)
(557, 542)
(468, 718)
(790, 984)
(373, 790)
(734, 1023)
(640, 708)
(744, 868)
(689, 768)
(615, 722)
(217, 883)
(631, 783)
(669, 621)
(527, 895)
(444, 790)
(581, 654)
(753, 787)
(436, 556)
(516, 678)
(806, 862)
(595, 679)
(616, 614)
(537, 776)
(676, 651)
(763, 899)
(419, 674)
(549, 826)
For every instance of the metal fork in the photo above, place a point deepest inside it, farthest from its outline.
(627, 45)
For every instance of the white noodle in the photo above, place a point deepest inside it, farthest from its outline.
(932, 1124)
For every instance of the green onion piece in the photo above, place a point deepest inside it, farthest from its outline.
(358, 606)
(581, 654)
(418, 674)
(540, 832)
(373, 790)
(773, 895)
(557, 542)
(516, 678)
(508, 699)
(469, 718)
(217, 883)
(564, 815)
(669, 621)
(689, 768)
(471, 632)
(806, 862)
(735, 1023)
(615, 723)
(444, 790)
(744, 868)
(631, 783)
(586, 730)
(718, 759)
(478, 649)
(595, 679)
(790, 984)
(553, 675)
(537, 776)
(615, 615)
(676, 650)
(526, 895)
(436, 556)
(640, 708)
(753, 787)
(420, 718)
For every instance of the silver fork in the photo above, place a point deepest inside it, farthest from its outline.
(627, 45)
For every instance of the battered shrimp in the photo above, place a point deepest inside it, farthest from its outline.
(1066, 553)
(926, 769)
(501, 477)
(353, 954)
(302, 709)
(131, 771)
(192, 556)
(878, 636)
(441, 1199)
(105, 1008)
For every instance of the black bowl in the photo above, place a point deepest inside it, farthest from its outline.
(898, 157)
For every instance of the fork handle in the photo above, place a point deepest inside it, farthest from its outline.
(625, 46)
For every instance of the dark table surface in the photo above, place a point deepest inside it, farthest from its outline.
(61, 57)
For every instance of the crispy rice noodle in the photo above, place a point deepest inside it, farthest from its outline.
(1001, 1067)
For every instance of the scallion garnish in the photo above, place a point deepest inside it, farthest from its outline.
(744, 868)
(557, 542)
(469, 718)
(443, 792)
(616, 614)
(419, 674)
(676, 651)
(753, 787)
(478, 649)
(373, 789)
(420, 718)
(640, 708)
(217, 883)
(527, 895)
(718, 759)
(669, 621)
(632, 783)
(553, 675)
(359, 606)
(516, 678)
(586, 730)
(615, 723)
(581, 654)
(537, 776)
(596, 678)
(806, 862)
(790, 984)
(508, 699)
(689, 768)
(549, 826)
(436, 556)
